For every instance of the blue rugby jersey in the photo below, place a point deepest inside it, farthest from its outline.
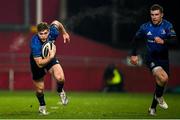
(149, 31)
(36, 44)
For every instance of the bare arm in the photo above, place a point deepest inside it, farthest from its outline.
(62, 30)
(41, 62)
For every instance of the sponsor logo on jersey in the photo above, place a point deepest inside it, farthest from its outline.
(152, 64)
(149, 33)
(151, 41)
(163, 32)
(57, 61)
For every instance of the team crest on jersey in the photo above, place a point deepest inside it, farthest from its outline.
(149, 33)
(163, 31)
(57, 61)
(152, 64)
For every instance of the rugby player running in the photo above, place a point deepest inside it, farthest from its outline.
(40, 66)
(158, 34)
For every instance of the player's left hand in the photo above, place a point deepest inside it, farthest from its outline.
(159, 40)
(66, 37)
(134, 60)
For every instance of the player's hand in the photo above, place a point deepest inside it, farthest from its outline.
(134, 60)
(52, 52)
(159, 40)
(66, 37)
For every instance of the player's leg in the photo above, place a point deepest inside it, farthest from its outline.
(161, 80)
(37, 76)
(158, 69)
(152, 110)
(58, 74)
(39, 86)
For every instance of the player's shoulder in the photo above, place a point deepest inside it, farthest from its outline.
(54, 32)
(146, 25)
(54, 27)
(35, 40)
(166, 23)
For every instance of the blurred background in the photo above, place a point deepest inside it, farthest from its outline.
(100, 31)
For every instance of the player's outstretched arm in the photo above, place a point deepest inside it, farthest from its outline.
(61, 28)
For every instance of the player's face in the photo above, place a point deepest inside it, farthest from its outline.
(43, 35)
(156, 16)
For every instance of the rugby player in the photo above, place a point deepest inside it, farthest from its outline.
(157, 35)
(40, 66)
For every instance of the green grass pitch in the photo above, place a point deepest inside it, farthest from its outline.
(86, 105)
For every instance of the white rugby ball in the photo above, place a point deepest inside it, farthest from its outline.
(46, 47)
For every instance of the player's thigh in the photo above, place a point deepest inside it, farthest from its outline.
(39, 84)
(160, 74)
(57, 72)
(37, 73)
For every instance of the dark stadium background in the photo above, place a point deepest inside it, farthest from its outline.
(94, 19)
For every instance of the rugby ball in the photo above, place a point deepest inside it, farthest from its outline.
(46, 47)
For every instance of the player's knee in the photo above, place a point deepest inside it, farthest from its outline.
(40, 89)
(164, 78)
(60, 78)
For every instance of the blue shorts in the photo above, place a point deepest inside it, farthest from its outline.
(151, 64)
(37, 72)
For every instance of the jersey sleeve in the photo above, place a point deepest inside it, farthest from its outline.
(171, 38)
(54, 32)
(170, 31)
(35, 48)
(136, 40)
(140, 33)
